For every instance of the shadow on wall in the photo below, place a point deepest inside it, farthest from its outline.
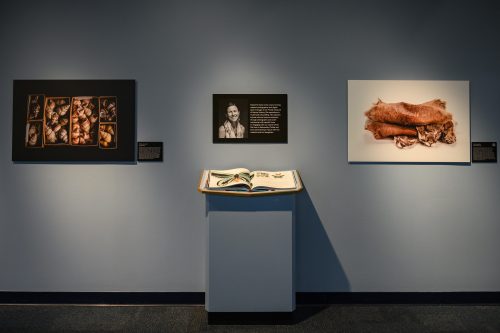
(318, 267)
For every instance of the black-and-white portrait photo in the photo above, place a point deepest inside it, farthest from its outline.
(233, 119)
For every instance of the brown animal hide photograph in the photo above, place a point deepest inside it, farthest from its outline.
(408, 121)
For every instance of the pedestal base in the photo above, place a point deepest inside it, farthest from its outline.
(250, 261)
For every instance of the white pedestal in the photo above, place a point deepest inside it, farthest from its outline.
(250, 257)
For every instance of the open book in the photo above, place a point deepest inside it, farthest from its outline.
(243, 180)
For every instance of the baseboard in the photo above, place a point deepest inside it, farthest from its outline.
(322, 298)
(118, 298)
(251, 318)
(198, 298)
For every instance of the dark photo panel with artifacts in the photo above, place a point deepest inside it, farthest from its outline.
(73, 120)
(250, 118)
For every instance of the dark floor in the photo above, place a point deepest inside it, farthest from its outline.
(168, 318)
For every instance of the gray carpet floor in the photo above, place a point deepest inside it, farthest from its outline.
(168, 318)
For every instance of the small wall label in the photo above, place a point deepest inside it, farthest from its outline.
(150, 151)
(484, 152)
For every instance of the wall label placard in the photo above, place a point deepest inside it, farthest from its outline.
(150, 151)
(484, 152)
(250, 118)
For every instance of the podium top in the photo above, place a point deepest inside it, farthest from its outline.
(203, 187)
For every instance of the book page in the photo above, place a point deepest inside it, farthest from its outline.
(273, 179)
(238, 177)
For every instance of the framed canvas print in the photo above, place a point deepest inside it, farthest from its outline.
(250, 118)
(73, 120)
(408, 121)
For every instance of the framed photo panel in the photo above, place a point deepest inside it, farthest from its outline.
(250, 118)
(73, 120)
(408, 121)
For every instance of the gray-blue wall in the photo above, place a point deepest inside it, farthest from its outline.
(141, 227)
